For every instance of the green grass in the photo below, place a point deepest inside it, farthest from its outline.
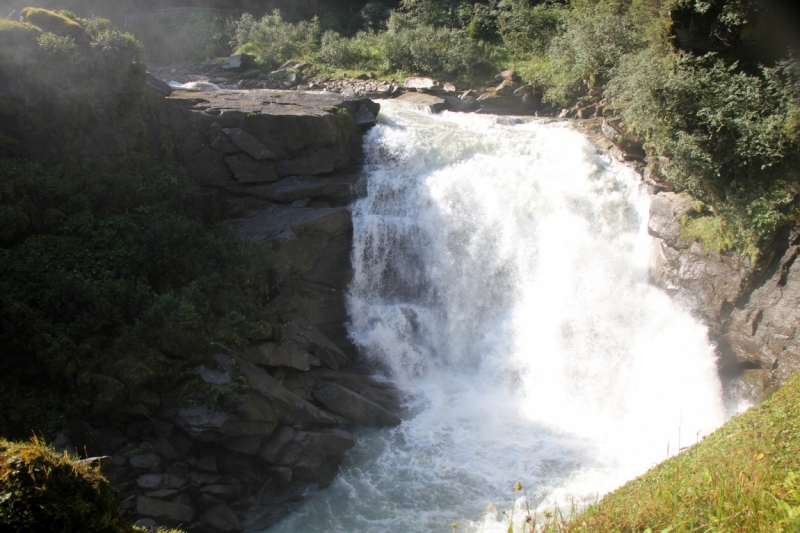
(744, 477)
(44, 491)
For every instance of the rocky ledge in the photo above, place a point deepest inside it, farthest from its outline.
(752, 314)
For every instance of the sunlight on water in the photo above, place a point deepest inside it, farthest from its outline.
(501, 281)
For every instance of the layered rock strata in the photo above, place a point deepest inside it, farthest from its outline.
(284, 167)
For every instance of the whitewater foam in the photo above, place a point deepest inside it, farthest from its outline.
(501, 282)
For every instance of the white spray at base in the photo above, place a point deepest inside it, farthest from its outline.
(501, 281)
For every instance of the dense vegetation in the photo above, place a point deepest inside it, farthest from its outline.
(114, 278)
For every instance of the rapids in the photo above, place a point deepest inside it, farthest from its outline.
(501, 283)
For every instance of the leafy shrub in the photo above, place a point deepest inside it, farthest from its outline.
(594, 41)
(343, 52)
(275, 41)
(59, 49)
(529, 30)
(432, 51)
(119, 47)
(724, 135)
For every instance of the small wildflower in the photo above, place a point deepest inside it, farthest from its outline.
(517, 486)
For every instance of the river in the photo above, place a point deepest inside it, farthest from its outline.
(501, 283)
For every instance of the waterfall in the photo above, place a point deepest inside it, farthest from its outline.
(501, 283)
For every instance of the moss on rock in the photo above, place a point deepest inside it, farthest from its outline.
(53, 22)
(45, 491)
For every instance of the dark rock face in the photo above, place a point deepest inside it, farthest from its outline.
(283, 167)
(753, 316)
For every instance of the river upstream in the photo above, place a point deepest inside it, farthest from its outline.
(501, 283)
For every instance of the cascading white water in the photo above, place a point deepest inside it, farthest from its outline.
(501, 281)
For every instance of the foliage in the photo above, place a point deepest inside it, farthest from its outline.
(41, 490)
(529, 30)
(110, 286)
(594, 41)
(743, 477)
(275, 41)
(724, 135)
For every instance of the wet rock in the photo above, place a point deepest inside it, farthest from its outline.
(763, 329)
(353, 406)
(706, 282)
(290, 408)
(305, 452)
(164, 512)
(665, 208)
(222, 518)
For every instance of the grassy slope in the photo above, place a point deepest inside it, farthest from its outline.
(744, 477)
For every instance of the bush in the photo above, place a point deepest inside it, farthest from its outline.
(529, 30)
(594, 40)
(355, 53)
(432, 51)
(724, 135)
(58, 49)
(275, 41)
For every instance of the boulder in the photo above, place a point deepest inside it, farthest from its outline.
(420, 83)
(353, 406)
(428, 102)
(160, 481)
(507, 75)
(238, 62)
(159, 86)
(222, 518)
(506, 88)
(665, 208)
(164, 512)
